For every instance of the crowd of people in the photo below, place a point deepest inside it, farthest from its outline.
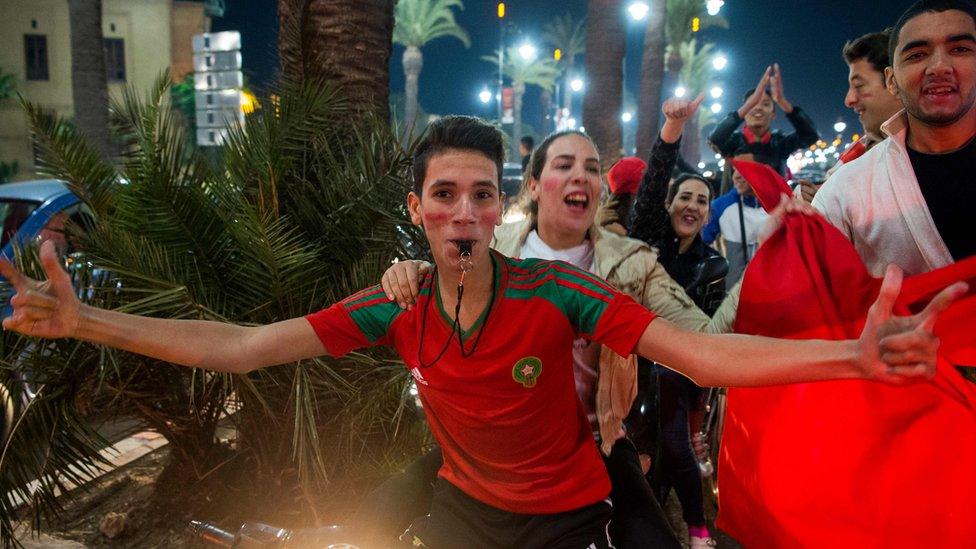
(523, 339)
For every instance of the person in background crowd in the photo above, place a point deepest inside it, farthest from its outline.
(623, 178)
(671, 220)
(526, 144)
(738, 218)
(908, 201)
(867, 95)
(758, 111)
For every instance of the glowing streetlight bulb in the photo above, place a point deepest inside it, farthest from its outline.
(714, 6)
(638, 10)
(716, 108)
(719, 62)
(576, 84)
(528, 52)
(626, 117)
(716, 92)
(680, 91)
(840, 126)
(485, 96)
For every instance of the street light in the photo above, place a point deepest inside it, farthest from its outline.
(680, 91)
(716, 108)
(576, 84)
(716, 92)
(719, 62)
(840, 126)
(485, 96)
(714, 6)
(528, 52)
(626, 117)
(638, 10)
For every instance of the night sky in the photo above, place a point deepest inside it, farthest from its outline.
(804, 36)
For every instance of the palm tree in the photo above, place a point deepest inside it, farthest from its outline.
(570, 38)
(605, 46)
(696, 75)
(652, 78)
(419, 22)
(678, 29)
(346, 41)
(89, 87)
(541, 72)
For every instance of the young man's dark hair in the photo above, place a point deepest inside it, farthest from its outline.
(926, 6)
(465, 133)
(873, 47)
(750, 92)
(528, 142)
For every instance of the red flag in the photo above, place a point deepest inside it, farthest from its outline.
(846, 463)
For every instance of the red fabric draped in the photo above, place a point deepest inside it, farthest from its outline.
(846, 463)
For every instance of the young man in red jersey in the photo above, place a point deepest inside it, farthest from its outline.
(489, 344)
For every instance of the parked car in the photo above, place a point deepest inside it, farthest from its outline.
(33, 209)
(511, 181)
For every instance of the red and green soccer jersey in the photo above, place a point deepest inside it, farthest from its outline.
(507, 417)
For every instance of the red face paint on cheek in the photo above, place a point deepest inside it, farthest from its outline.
(551, 184)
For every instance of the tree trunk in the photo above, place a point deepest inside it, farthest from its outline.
(691, 142)
(546, 99)
(413, 63)
(518, 90)
(605, 46)
(347, 41)
(89, 88)
(652, 79)
(567, 89)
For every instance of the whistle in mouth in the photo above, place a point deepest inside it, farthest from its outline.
(464, 262)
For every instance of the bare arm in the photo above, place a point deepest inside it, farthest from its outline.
(51, 309)
(738, 360)
(202, 344)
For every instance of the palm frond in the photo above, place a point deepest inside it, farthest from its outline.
(421, 21)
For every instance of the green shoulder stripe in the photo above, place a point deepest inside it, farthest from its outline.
(373, 313)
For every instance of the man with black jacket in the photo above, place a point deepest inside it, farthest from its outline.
(758, 111)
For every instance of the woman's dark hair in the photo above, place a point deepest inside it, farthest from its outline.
(465, 133)
(679, 180)
(536, 163)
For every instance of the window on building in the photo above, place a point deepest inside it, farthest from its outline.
(35, 56)
(115, 59)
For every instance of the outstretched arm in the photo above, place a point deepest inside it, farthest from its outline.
(894, 350)
(51, 310)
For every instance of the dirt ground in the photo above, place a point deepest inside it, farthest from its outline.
(150, 520)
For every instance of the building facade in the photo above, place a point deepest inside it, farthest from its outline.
(142, 39)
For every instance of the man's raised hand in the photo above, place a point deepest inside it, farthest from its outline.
(47, 309)
(776, 90)
(903, 349)
(757, 94)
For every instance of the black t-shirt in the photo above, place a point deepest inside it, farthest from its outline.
(948, 183)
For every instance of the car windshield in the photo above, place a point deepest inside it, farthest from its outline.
(13, 213)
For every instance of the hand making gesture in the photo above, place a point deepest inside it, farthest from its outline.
(757, 95)
(49, 309)
(677, 113)
(776, 90)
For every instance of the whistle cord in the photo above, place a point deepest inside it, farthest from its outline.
(456, 325)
